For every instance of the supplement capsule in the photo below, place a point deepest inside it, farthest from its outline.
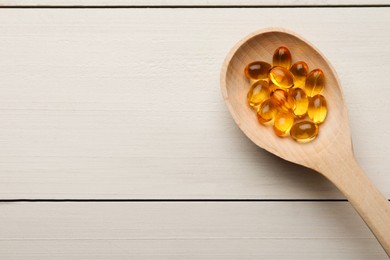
(281, 77)
(280, 100)
(282, 57)
(300, 71)
(304, 131)
(266, 111)
(298, 97)
(283, 123)
(258, 93)
(317, 109)
(314, 82)
(257, 70)
(272, 87)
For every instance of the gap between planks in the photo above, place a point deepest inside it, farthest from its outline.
(173, 200)
(187, 6)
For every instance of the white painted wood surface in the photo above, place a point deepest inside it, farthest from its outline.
(185, 231)
(125, 103)
(85, 113)
(189, 2)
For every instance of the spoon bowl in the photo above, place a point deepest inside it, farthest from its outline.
(331, 152)
(261, 46)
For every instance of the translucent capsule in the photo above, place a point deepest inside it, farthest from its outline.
(283, 123)
(300, 101)
(257, 70)
(282, 57)
(300, 71)
(304, 131)
(314, 82)
(280, 99)
(317, 109)
(258, 93)
(272, 87)
(281, 77)
(266, 111)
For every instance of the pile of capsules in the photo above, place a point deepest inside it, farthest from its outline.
(287, 96)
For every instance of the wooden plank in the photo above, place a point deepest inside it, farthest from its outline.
(125, 103)
(308, 230)
(190, 2)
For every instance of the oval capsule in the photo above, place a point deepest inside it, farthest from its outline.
(282, 57)
(300, 71)
(266, 111)
(299, 100)
(257, 70)
(281, 77)
(304, 131)
(317, 110)
(258, 93)
(314, 82)
(280, 99)
(283, 123)
(272, 87)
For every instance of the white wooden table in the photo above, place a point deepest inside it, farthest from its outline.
(115, 142)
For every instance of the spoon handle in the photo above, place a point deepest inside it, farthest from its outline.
(368, 201)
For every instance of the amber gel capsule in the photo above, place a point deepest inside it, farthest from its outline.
(258, 93)
(300, 71)
(314, 82)
(280, 99)
(283, 123)
(266, 111)
(304, 131)
(282, 57)
(257, 70)
(272, 87)
(317, 109)
(281, 77)
(299, 99)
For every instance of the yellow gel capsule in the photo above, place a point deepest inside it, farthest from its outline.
(280, 99)
(300, 71)
(317, 109)
(266, 111)
(257, 70)
(258, 93)
(281, 77)
(314, 82)
(298, 97)
(304, 131)
(272, 87)
(282, 57)
(283, 123)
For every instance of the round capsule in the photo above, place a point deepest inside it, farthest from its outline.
(283, 123)
(298, 97)
(300, 71)
(304, 131)
(314, 82)
(258, 93)
(280, 99)
(257, 70)
(317, 109)
(281, 77)
(272, 87)
(266, 111)
(282, 57)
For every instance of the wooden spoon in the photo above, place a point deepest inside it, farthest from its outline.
(331, 152)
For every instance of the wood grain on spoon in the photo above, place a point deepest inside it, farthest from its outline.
(331, 152)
